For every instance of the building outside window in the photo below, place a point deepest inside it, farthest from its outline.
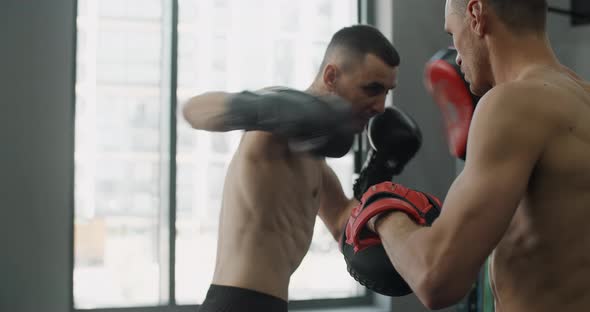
(129, 149)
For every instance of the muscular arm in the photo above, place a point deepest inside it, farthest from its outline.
(508, 135)
(321, 125)
(211, 110)
(335, 207)
(285, 111)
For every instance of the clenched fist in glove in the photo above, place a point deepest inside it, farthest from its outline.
(395, 138)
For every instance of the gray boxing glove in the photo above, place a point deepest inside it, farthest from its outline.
(322, 126)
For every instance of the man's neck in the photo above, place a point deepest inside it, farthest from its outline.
(512, 57)
(317, 89)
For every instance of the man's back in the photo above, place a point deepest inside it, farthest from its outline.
(541, 262)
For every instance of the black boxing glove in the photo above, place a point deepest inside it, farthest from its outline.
(394, 138)
(366, 259)
(322, 126)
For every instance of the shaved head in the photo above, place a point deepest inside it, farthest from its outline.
(518, 15)
(352, 44)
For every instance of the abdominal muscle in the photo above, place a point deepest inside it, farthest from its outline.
(267, 219)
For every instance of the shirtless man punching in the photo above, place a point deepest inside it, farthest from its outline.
(278, 180)
(523, 196)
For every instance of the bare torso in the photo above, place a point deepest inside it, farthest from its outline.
(542, 263)
(271, 199)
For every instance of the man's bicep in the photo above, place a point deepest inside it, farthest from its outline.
(480, 205)
(506, 140)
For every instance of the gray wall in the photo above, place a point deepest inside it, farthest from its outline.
(571, 44)
(417, 34)
(36, 135)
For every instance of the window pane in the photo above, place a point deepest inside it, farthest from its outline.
(233, 45)
(117, 156)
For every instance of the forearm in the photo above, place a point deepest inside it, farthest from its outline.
(223, 111)
(432, 263)
(397, 233)
(335, 207)
(207, 111)
(335, 218)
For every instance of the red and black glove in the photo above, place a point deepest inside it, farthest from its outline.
(364, 254)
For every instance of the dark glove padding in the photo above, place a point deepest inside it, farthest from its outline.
(372, 268)
(366, 260)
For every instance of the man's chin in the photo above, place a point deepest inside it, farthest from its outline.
(360, 125)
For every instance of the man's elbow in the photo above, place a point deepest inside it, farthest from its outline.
(187, 109)
(196, 112)
(204, 111)
(436, 291)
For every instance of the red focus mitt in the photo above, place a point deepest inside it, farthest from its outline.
(447, 85)
(365, 257)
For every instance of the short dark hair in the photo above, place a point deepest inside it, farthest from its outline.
(518, 15)
(359, 40)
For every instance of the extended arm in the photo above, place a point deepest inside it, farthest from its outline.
(322, 125)
(207, 111)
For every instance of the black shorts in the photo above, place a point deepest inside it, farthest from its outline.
(234, 299)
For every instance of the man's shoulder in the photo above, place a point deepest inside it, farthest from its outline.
(260, 141)
(264, 146)
(521, 92)
(532, 100)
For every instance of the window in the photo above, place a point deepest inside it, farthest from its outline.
(118, 158)
(138, 173)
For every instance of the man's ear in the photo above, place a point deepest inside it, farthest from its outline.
(330, 76)
(476, 12)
